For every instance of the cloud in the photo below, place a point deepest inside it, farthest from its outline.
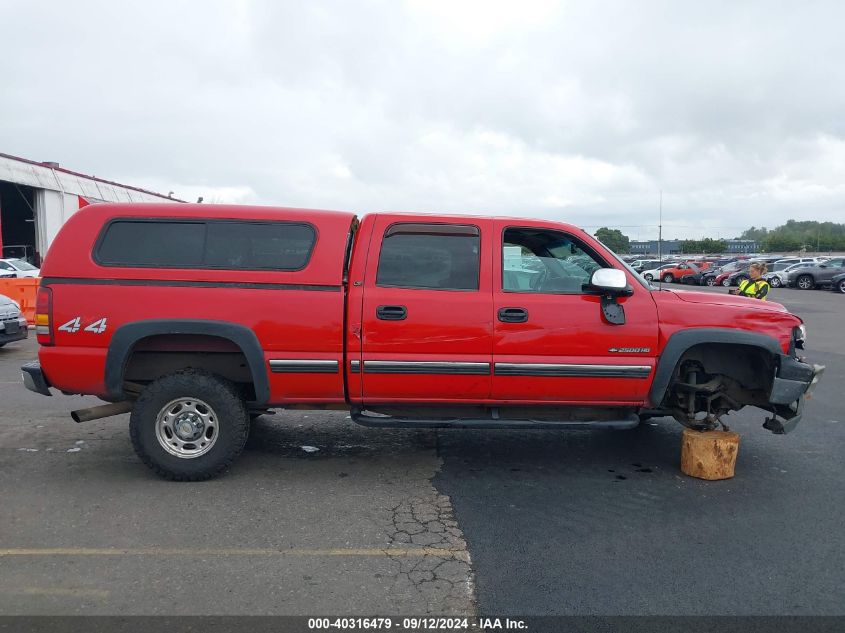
(574, 111)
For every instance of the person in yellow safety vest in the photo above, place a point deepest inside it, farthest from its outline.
(756, 287)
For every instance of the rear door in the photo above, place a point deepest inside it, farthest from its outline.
(426, 322)
(551, 343)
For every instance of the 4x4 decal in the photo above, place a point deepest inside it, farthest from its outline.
(72, 326)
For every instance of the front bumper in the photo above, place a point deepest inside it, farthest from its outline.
(34, 379)
(793, 384)
(20, 331)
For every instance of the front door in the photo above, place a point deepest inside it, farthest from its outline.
(551, 342)
(426, 321)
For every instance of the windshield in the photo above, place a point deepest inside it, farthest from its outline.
(21, 264)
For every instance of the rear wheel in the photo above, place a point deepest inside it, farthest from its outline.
(189, 426)
(668, 279)
(805, 282)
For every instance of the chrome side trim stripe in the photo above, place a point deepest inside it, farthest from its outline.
(556, 370)
(561, 370)
(278, 366)
(425, 367)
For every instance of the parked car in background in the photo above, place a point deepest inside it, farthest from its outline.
(18, 268)
(728, 274)
(786, 262)
(709, 276)
(700, 276)
(778, 279)
(646, 264)
(838, 283)
(684, 269)
(778, 274)
(808, 276)
(12, 323)
(654, 273)
(736, 278)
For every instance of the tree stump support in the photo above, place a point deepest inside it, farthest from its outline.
(709, 454)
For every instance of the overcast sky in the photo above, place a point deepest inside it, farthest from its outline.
(579, 111)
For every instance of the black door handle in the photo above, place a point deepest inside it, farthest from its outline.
(513, 315)
(391, 313)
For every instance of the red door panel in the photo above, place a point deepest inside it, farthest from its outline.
(564, 351)
(420, 343)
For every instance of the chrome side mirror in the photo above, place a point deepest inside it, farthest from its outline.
(610, 279)
(612, 283)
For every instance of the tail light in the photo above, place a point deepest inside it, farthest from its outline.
(44, 316)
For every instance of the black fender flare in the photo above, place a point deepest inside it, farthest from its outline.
(126, 336)
(681, 341)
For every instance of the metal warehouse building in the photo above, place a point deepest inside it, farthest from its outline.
(37, 198)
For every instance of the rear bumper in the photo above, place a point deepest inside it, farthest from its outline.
(793, 384)
(34, 379)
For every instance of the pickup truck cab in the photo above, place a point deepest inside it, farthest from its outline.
(198, 317)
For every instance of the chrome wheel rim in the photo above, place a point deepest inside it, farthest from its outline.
(187, 427)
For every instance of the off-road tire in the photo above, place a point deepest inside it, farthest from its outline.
(668, 279)
(805, 282)
(221, 396)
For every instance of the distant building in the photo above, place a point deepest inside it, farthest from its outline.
(650, 247)
(36, 199)
(673, 247)
(742, 246)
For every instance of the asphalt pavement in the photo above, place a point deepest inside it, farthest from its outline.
(451, 522)
(585, 523)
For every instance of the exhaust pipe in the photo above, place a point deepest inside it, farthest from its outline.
(102, 411)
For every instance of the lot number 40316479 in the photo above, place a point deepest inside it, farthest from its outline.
(73, 326)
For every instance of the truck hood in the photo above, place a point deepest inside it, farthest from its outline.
(710, 298)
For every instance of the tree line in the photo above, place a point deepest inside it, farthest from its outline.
(795, 235)
(792, 236)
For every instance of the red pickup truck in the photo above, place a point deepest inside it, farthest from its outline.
(198, 317)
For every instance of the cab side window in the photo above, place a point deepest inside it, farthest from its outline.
(430, 256)
(544, 261)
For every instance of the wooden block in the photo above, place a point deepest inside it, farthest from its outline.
(709, 454)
